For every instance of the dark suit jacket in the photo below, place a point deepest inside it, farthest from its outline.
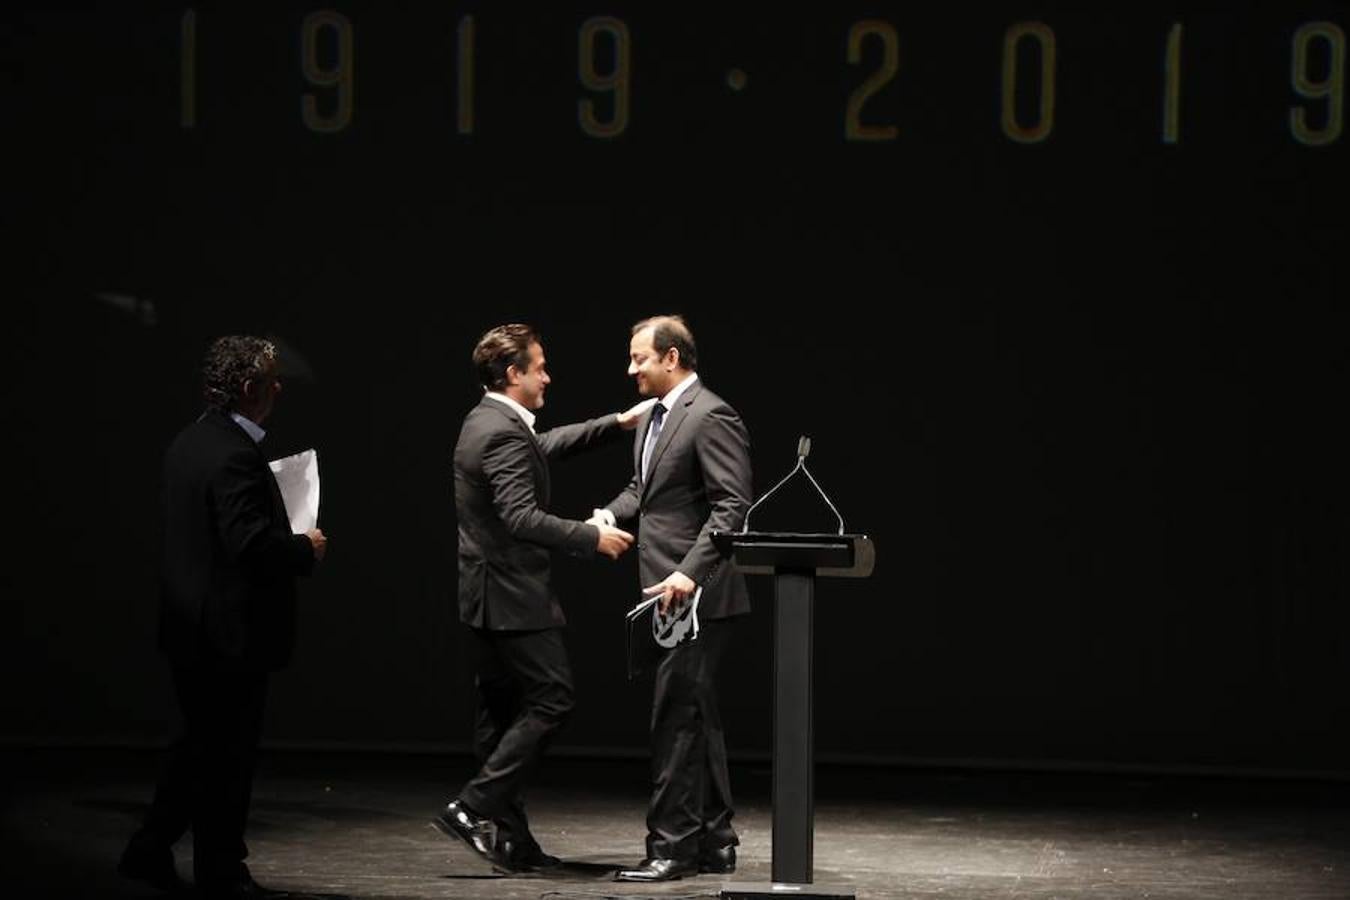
(230, 559)
(698, 481)
(505, 535)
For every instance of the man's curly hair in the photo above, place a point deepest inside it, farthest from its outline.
(230, 361)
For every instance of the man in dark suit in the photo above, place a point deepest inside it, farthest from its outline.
(227, 620)
(506, 535)
(691, 461)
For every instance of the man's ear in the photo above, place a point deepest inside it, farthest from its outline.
(512, 375)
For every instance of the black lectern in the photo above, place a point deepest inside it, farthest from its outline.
(795, 560)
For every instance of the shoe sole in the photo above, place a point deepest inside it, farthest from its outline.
(530, 869)
(653, 880)
(656, 880)
(451, 832)
(448, 831)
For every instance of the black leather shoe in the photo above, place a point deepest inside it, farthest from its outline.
(718, 860)
(531, 858)
(480, 834)
(659, 870)
(528, 858)
(541, 860)
(150, 861)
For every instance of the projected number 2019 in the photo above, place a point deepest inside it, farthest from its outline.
(871, 49)
(1317, 56)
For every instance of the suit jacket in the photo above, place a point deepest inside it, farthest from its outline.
(230, 560)
(502, 490)
(698, 481)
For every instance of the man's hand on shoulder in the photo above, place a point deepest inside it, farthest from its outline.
(628, 419)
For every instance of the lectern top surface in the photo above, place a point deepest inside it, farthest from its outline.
(767, 552)
(790, 537)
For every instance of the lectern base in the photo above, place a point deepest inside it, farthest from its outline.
(760, 890)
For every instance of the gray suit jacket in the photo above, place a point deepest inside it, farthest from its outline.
(698, 481)
(505, 535)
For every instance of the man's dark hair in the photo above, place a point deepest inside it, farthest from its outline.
(672, 331)
(231, 361)
(499, 349)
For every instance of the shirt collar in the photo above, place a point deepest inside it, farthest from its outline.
(254, 430)
(668, 401)
(520, 410)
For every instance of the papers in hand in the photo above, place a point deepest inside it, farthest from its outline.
(675, 626)
(298, 478)
(642, 607)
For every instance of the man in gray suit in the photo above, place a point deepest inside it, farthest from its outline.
(506, 535)
(691, 461)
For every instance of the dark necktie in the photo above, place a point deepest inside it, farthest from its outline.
(653, 432)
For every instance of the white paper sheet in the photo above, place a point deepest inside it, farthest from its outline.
(298, 478)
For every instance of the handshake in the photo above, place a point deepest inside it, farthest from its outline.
(613, 542)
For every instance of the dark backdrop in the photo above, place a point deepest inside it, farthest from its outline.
(1085, 393)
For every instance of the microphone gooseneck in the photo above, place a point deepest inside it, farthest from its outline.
(803, 451)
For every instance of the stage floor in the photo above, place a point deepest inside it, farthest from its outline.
(357, 826)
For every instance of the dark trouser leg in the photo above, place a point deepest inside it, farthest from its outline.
(500, 702)
(525, 695)
(691, 798)
(716, 831)
(170, 812)
(213, 766)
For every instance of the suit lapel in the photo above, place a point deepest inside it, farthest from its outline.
(674, 419)
(517, 422)
(641, 438)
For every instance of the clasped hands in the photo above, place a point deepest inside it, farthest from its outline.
(613, 542)
(676, 587)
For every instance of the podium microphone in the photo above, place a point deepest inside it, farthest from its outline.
(803, 451)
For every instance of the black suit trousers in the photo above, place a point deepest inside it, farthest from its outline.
(525, 695)
(207, 782)
(690, 807)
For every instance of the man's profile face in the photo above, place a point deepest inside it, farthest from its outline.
(653, 372)
(529, 385)
(260, 394)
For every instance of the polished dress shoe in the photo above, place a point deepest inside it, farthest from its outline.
(530, 858)
(718, 860)
(480, 834)
(148, 860)
(659, 870)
